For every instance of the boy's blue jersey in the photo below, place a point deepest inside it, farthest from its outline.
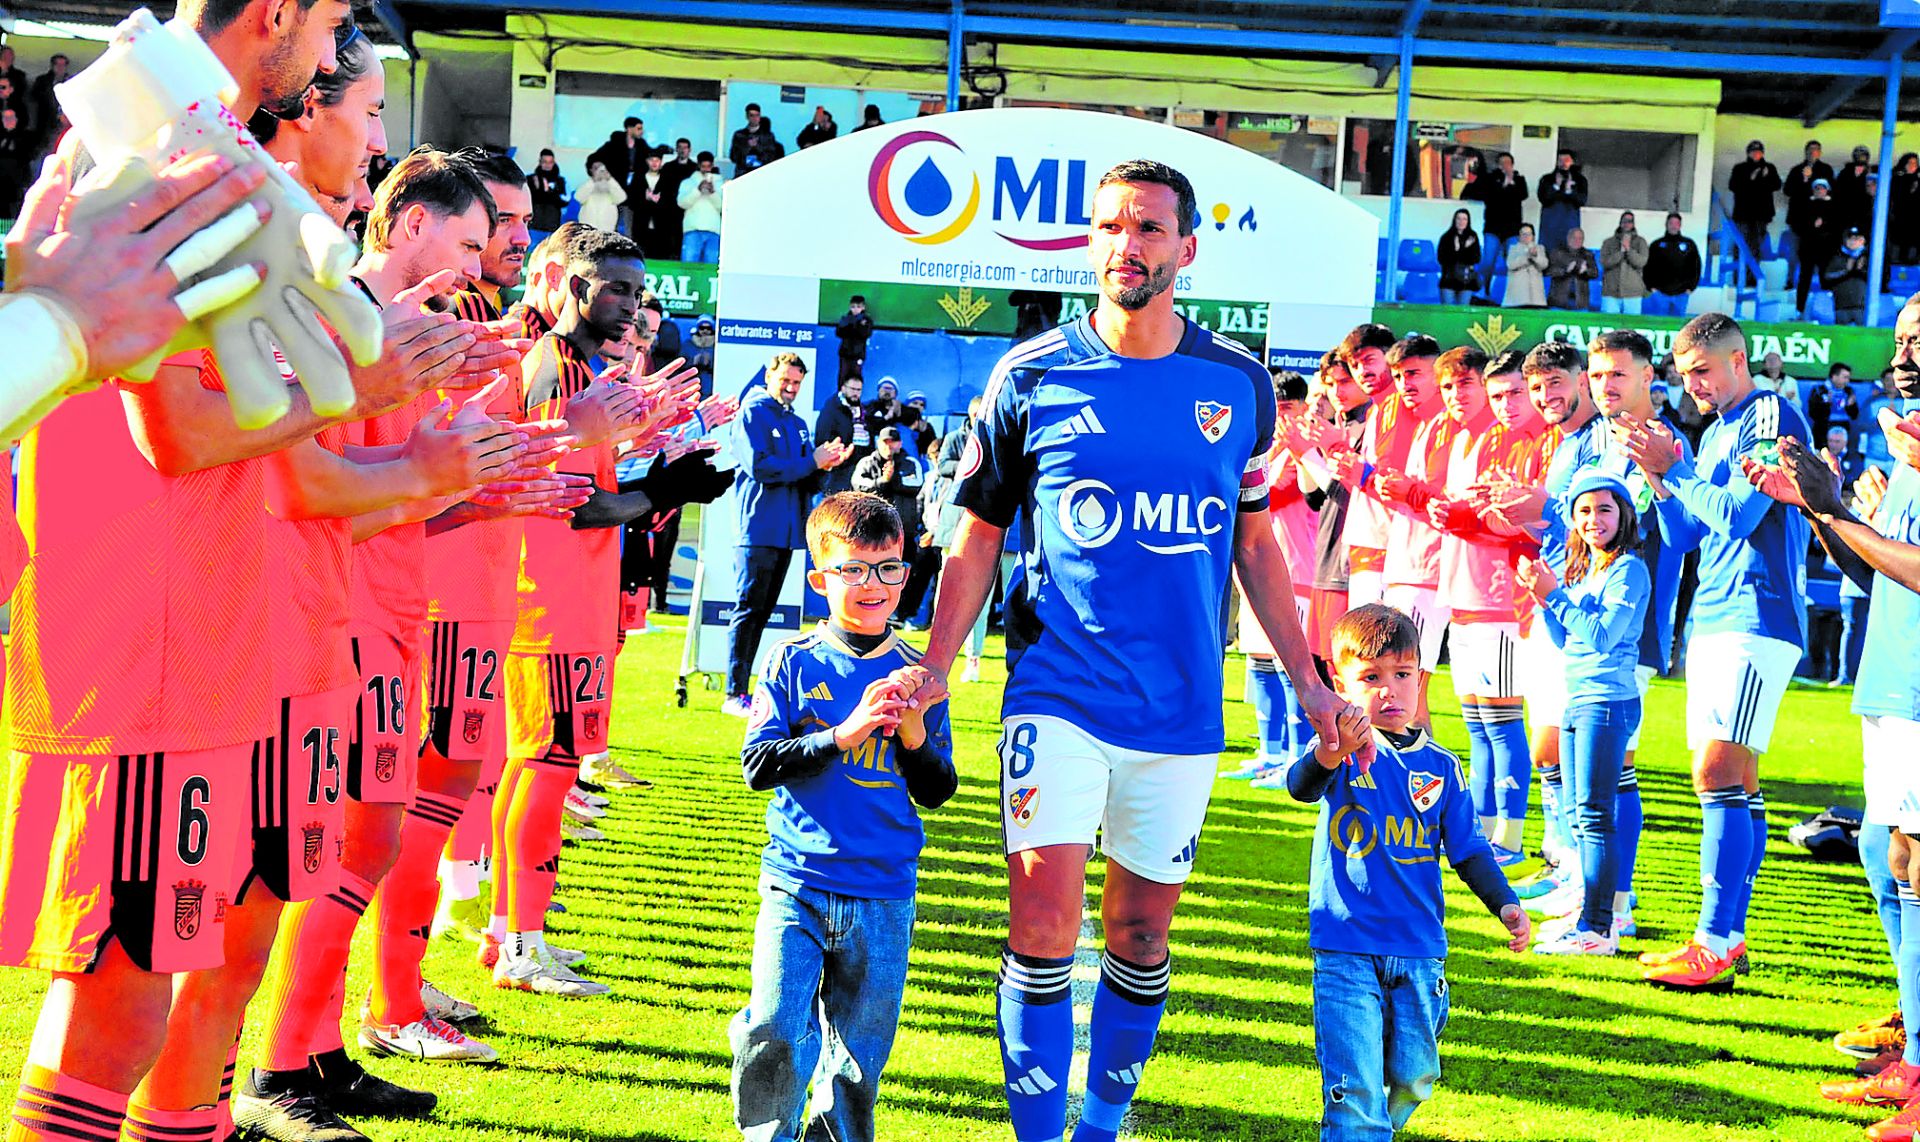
(1375, 887)
(1132, 473)
(1888, 684)
(852, 829)
(1753, 550)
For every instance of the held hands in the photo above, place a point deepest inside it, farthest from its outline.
(1535, 578)
(1518, 926)
(880, 711)
(1352, 738)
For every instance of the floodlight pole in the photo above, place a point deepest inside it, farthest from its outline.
(1877, 258)
(1396, 175)
(956, 52)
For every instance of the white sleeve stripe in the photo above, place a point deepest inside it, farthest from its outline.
(1038, 347)
(1226, 342)
(1766, 421)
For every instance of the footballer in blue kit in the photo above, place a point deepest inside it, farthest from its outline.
(1747, 625)
(1132, 443)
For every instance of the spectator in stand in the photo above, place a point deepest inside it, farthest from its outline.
(1657, 394)
(699, 200)
(854, 327)
(1799, 184)
(40, 97)
(780, 467)
(1623, 258)
(1851, 195)
(1816, 231)
(1563, 191)
(1846, 276)
(600, 198)
(869, 117)
(919, 430)
(17, 146)
(14, 93)
(377, 169)
(1503, 190)
(1754, 183)
(1903, 212)
(12, 99)
(1459, 254)
(1571, 267)
(1846, 460)
(1833, 403)
(820, 130)
(1526, 271)
(548, 187)
(703, 339)
(624, 154)
(754, 144)
(656, 212)
(845, 421)
(1034, 312)
(682, 165)
(1773, 377)
(1872, 441)
(885, 407)
(1673, 271)
(892, 472)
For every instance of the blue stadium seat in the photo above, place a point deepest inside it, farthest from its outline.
(1379, 285)
(1593, 294)
(1496, 290)
(1904, 280)
(1380, 257)
(1820, 306)
(1890, 304)
(1421, 288)
(1417, 255)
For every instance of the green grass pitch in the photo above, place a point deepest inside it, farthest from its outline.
(1538, 1048)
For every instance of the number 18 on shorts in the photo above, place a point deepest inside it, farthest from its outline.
(1060, 785)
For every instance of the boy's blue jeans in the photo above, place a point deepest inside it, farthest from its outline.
(1376, 1030)
(828, 973)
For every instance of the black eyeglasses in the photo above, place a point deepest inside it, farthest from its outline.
(854, 573)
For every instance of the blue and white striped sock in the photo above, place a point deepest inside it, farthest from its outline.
(1126, 1017)
(1036, 1042)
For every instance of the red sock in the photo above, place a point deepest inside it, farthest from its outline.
(146, 1124)
(52, 1107)
(224, 1124)
(472, 838)
(315, 940)
(404, 915)
(503, 802)
(533, 841)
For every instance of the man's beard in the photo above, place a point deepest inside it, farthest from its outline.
(1906, 381)
(500, 276)
(284, 94)
(1159, 280)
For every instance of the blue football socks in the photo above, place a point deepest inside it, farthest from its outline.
(1726, 850)
(1036, 1042)
(1126, 1017)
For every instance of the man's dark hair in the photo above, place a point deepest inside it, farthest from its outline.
(353, 63)
(1415, 345)
(857, 299)
(752, 107)
(62, 56)
(683, 139)
(1502, 155)
(1627, 341)
(1185, 205)
(857, 519)
(630, 121)
(443, 183)
(209, 16)
(703, 157)
(1371, 335)
(651, 300)
(1837, 368)
(1460, 360)
(1550, 355)
(1710, 331)
(494, 167)
(1673, 214)
(1568, 151)
(1511, 361)
(1289, 385)
(595, 247)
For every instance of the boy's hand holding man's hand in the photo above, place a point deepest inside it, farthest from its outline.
(1515, 918)
(879, 712)
(1355, 732)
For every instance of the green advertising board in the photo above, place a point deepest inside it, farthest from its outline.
(1805, 350)
(976, 309)
(685, 288)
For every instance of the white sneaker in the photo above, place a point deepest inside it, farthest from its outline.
(540, 973)
(1567, 899)
(1579, 942)
(605, 772)
(434, 1040)
(972, 672)
(1277, 779)
(580, 834)
(445, 1007)
(738, 706)
(566, 957)
(592, 798)
(577, 807)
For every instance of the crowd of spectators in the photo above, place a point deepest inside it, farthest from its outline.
(30, 124)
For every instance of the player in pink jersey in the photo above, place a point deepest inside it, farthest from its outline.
(1388, 436)
(1411, 574)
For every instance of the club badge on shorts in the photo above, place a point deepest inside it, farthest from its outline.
(1213, 419)
(313, 834)
(187, 897)
(590, 724)
(1020, 804)
(470, 723)
(1425, 789)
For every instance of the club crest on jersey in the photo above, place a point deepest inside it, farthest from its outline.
(1425, 789)
(386, 759)
(187, 897)
(590, 724)
(471, 722)
(1020, 804)
(313, 834)
(972, 457)
(761, 711)
(1214, 419)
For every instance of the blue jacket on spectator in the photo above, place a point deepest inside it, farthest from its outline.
(777, 473)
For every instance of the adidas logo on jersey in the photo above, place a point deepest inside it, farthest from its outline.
(821, 693)
(1130, 1076)
(1083, 423)
(1186, 855)
(1035, 1081)
(1365, 781)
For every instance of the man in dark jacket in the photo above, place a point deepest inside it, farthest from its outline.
(1572, 267)
(1851, 196)
(893, 472)
(843, 420)
(1672, 273)
(1816, 233)
(1846, 276)
(854, 327)
(1504, 191)
(780, 467)
(822, 129)
(1563, 191)
(1754, 183)
(625, 154)
(753, 145)
(1799, 184)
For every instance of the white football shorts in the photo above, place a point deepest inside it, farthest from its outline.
(1429, 615)
(1486, 659)
(1735, 682)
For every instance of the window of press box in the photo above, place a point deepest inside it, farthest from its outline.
(1634, 170)
(1151, 114)
(1307, 145)
(1442, 158)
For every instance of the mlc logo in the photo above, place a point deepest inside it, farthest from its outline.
(926, 193)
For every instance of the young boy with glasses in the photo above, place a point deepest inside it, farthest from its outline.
(850, 733)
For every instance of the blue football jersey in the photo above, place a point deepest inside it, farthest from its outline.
(1577, 451)
(1132, 474)
(1753, 550)
(1375, 886)
(1888, 684)
(851, 829)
